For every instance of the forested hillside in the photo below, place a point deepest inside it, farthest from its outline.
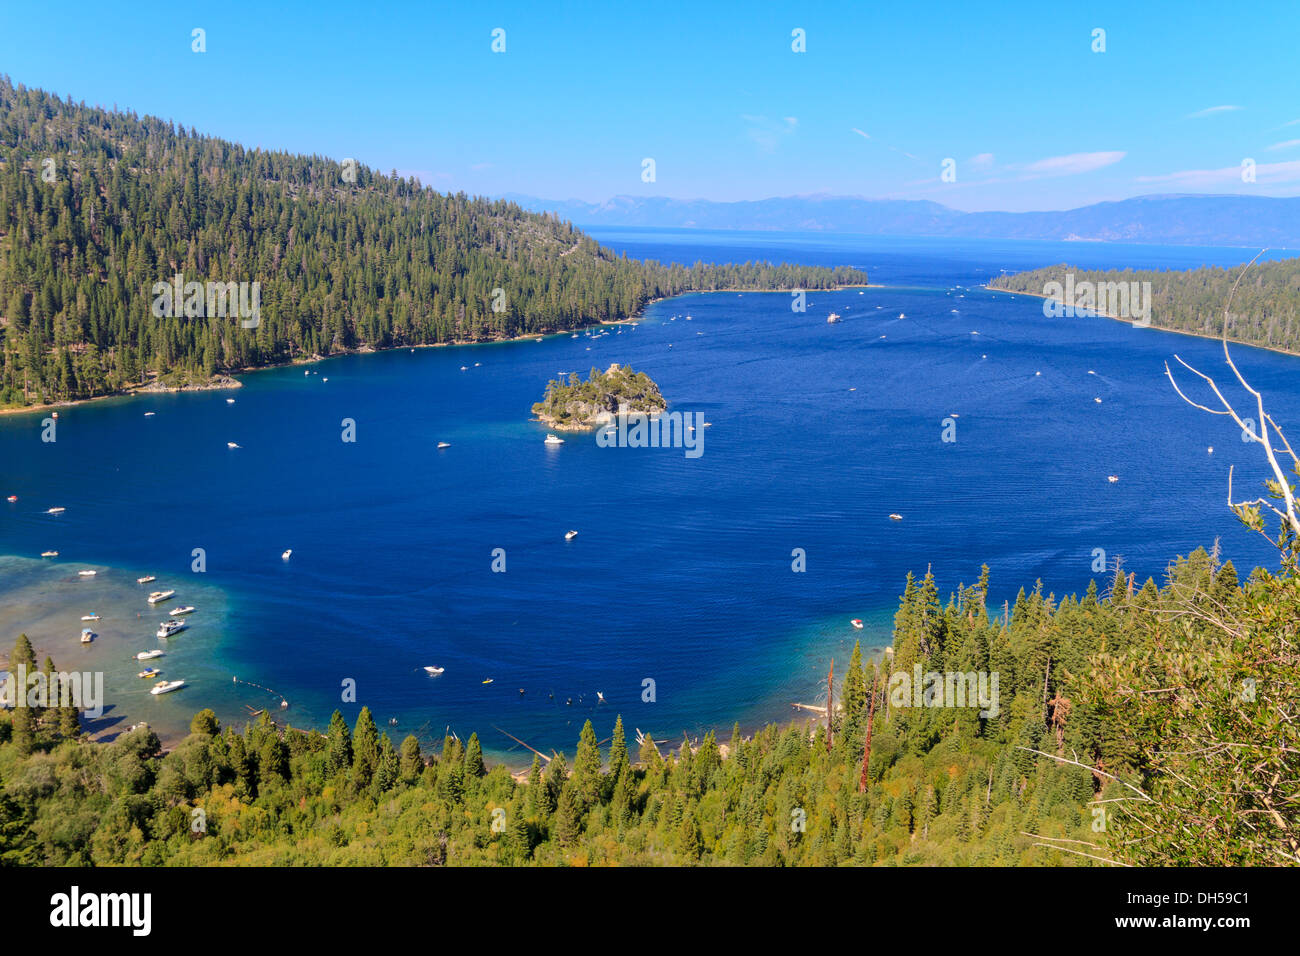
(1124, 732)
(97, 206)
(1265, 309)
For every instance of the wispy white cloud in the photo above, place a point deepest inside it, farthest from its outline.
(860, 133)
(768, 133)
(1211, 111)
(1265, 174)
(981, 160)
(1285, 144)
(1073, 164)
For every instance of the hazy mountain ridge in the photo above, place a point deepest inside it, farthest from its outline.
(1169, 219)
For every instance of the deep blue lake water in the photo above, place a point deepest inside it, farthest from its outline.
(681, 571)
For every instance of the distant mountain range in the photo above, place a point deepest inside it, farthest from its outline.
(1168, 220)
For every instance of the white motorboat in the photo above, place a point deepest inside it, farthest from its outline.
(288, 553)
(49, 554)
(166, 687)
(157, 597)
(178, 611)
(232, 444)
(87, 574)
(554, 440)
(148, 578)
(149, 655)
(444, 444)
(168, 628)
(833, 318)
(430, 669)
(230, 401)
(570, 535)
(56, 511)
(149, 672)
(87, 635)
(92, 616)
(895, 517)
(1112, 478)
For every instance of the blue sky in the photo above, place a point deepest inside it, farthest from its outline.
(885, 92)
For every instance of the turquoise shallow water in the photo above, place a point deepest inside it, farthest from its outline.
(681, 572)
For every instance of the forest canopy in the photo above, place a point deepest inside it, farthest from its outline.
(97, 207)
(1265, 309)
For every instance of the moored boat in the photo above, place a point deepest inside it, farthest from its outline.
(178, 611)
(146, 579)
(168, 628)
(149, 655)
(430, 669)
(87, 635)
(166, 687)
(157, 597)
(149, 672)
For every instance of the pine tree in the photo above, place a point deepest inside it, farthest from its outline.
(618, 756)
(389, 768)
(853, 695)
(568, 816)
(412, 762)
(205, 723)
(587, 780)
(474, 767)
(365, 749)
(340, 744)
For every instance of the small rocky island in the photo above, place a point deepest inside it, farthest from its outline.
(596, 401)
